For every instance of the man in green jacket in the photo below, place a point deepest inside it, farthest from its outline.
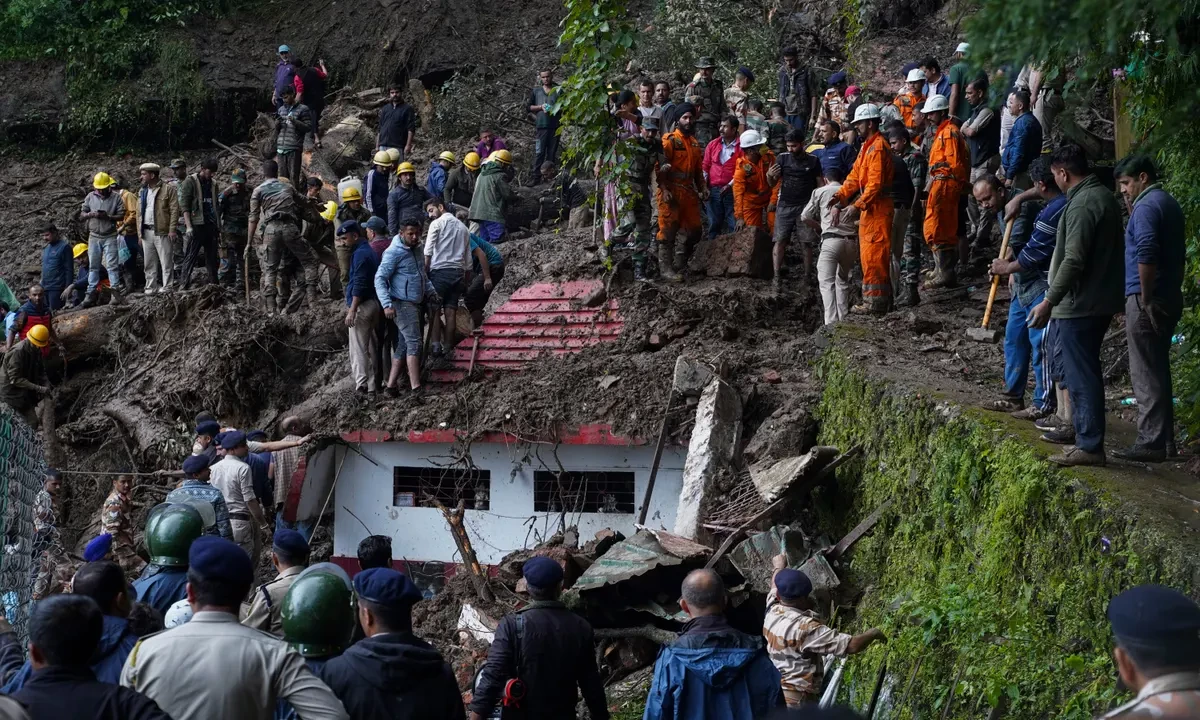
(489, 205)
(1087, 276)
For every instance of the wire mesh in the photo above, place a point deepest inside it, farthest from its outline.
(739, 505)
(22, 467)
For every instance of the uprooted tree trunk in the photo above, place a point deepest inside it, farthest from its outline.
(343, 148)
(146, 430)
(454, 518)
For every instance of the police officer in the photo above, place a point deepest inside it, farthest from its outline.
(392, 673)
(213, 666)
(289, 555)
(562, 643)
(170, 531)
(1157, 653)
(317, 616)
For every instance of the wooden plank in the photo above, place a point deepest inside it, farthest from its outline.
(859, 530)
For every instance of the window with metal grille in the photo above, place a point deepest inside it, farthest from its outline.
(421, 486)
(576, 492)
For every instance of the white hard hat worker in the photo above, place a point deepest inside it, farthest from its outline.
(935, 103)
(750, 139)
(915, 75)
(865, 112)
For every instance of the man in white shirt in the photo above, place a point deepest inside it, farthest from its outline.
(839, 246)
(232, 477)
(448, 265)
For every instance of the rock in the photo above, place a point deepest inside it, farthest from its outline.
(655, 341)
(788, 432)
(690, 377)
(772, 377)
(746, 253)
(596, 297)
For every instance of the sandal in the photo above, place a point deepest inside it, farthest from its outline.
(1007, 405)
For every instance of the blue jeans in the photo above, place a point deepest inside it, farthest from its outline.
(304, 527)
(1077, 346)
(1022, 345)
(720, 211)
(102, 251)
(798, 122)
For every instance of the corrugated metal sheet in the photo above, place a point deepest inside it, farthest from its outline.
(627, 559)
(538, 320)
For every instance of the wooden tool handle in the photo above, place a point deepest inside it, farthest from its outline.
(987, 314)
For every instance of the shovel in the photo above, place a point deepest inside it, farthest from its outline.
(981, 333)
(475, 334)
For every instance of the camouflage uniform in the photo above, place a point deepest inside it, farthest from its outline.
(709, 98)
(115, 520)
(1167, 697)
(914, 240)
(633, 202)
(54, 571)
(235, 216)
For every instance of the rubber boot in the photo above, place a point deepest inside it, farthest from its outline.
(909, 295)
(666, 261)
(116, 295)
(639, 271)
(945, 262)
(89, 300)
(880, 306)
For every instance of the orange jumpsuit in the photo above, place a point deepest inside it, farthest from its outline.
(685, 177)
(872, 174)
(753, 191)
(907, 103)
(948, 169)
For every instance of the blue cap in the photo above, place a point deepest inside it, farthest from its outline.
(284, 48)
(747, 73)
(837, 77)
(97, 548)
(1158, 618)
(256, 435)
(387, 588)
(232, 439)
(195, 464)
(208, 427)
(542, 572)
(215, 558)
(377, 224)
(350, 226)
(907, 68)
(792, 584)
(290, 542)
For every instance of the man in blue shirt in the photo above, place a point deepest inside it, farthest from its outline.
(203, 496)
(363, 312)
(935, 82)
(58, 266)
(260, 466)
(1024, 142)
(1154, 262)
(1031, 245)
(486, 272)
(836, 153)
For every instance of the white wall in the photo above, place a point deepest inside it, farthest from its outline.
(420, 534)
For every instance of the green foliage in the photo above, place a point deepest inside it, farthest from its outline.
(105, 44)
(991, 570)
(687, 29)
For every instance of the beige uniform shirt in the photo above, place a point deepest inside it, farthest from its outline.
(232, 477)
(214, 667)
(795, 640)
(262, 612)
(1167, 697)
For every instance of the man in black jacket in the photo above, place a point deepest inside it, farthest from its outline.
(63, 634)
(392, 673)
(551, 649)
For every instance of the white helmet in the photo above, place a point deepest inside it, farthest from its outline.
(178, 614)
(866, 111)
(915, 75)
(751, 138)
(935, 103)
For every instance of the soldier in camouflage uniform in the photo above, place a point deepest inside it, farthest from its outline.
(633, 200)
(1157, 654)
(709, 98)
(116, 519)
(914, 240)
(234, 203)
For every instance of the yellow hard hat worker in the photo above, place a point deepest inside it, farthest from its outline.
(405, 167)
(471, 161)
(384, 158)
(448, 157)
(102, 181)
(330, 210)
(39, 336)
(350, 194)
(503, 157)
(79, 250)
(393, 155)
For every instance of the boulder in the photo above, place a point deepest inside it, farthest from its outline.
(745, 253)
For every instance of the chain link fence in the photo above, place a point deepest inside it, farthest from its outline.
(22, 467)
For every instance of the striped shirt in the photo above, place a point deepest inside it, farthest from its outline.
(795, 642)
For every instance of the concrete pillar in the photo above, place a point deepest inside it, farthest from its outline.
(716, 438)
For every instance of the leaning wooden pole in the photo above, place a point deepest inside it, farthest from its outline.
(458, 530)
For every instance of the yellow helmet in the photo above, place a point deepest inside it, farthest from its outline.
(384, 158)
(102, 180)
(471, 161)
(448, 157)
(393, 155)
(503, 157)
(79, 249)
(351, 194)
(39, 335)
(405, 167)
(330, 210)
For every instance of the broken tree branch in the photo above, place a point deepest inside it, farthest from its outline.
(859, 530)
(454, 518)
(649, 632)
(232, 151)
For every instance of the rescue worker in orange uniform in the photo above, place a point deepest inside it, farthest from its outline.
(871, 179)
(681, 188)
(949, 168)
(909, 101)
(755, 183)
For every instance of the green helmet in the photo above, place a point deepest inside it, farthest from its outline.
(318, 613)
(170, 530)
